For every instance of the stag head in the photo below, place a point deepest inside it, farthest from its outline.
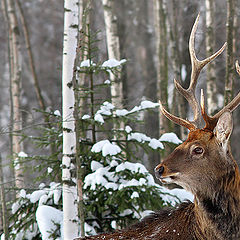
(205, 157)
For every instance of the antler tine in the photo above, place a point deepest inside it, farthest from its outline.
(197, 66)
(234, 103)
(212, 121)
(177, 120)
(189, 94)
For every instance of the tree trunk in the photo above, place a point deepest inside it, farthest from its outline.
(162, 60)
(3, 202)
(210, 44)
(229, 60)
(15, 84)
(84, 6)
(70, 208)
(80, 81)
(177, 109)
(30, 56)
(113, 50)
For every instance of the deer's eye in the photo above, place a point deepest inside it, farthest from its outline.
(197, 150)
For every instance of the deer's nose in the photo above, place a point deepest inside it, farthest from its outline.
(159, 171)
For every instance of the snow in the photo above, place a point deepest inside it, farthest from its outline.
(96, 178)
(145, 213)
(111, 63)
(121, 112)
(95, 165)
(41, 196)
(104, 111)
(135, 109)
(134, 195)
(112, 186)
(140, 137)
(148, 104)
(47, 218)
(22, 193)
(41, 185)
(170, 137)
(97, 147)
(108, 105)
(143, 105)
(57, 193)
(220, 100)
(86, 116)
(133, 167)
(123, 61)
(154, 143)
(28, 234)
(43, 200)
(57, 113)
(113, 163)
(128, 129)
(114, 224)
(87, 63)
(103, 176)
(98, 118)
(110, 149)
(22, 154)
(107, 81)
(106, 147)
(131, 183)
(183, 72)
(126, 212)
(15, 207)
(35, 196)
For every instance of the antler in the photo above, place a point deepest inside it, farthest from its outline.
(212, 121)
(189, 94)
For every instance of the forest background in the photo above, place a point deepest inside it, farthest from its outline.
(153, 38)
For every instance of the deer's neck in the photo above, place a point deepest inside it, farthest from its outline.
(218, 212)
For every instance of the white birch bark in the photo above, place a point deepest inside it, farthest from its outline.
(15, 83)
(70, 208)
(113, 47)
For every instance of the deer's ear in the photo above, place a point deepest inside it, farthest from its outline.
(224, 129)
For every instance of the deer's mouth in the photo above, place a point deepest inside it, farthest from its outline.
(170, 178)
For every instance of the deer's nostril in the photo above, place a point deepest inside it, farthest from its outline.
(161, 170)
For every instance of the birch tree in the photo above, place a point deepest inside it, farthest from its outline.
(113, 50)
(162, 59)
(15, 88)
(210, 43)
(70, 208)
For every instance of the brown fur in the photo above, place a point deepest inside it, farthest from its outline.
(161, 225)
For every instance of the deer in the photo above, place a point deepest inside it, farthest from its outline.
(203, 164)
